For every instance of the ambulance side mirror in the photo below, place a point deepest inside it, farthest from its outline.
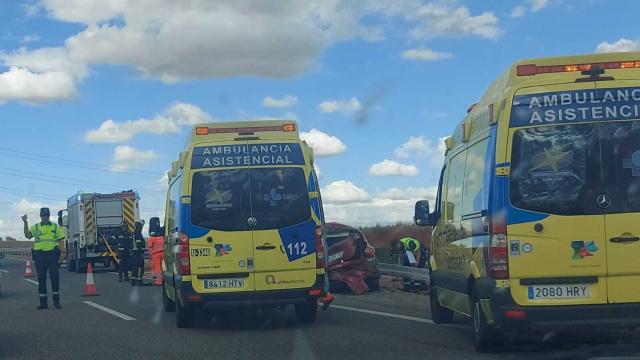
(422, 216)
(62, 218)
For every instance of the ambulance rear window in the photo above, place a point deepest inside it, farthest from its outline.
(225, 199)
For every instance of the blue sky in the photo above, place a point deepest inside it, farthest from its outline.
(374, 86)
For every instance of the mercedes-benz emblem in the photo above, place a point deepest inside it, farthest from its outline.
(252, 221)
(603, 201)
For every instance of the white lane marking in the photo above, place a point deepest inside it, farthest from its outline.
(112, 272)
(110, 311)
(4, 271)
(31, 281)
(380, 313)
(396, 316)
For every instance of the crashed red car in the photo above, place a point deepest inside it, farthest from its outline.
(352, 260)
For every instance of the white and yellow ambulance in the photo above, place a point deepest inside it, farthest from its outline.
(244, 221)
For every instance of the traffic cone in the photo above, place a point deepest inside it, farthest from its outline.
(90, 286)
(28, 271)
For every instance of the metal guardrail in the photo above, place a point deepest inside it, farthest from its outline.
(15, 253)
(405, 271)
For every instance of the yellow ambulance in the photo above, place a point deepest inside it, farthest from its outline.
(536, 224)
(244, 221)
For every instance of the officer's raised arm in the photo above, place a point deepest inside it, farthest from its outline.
(27, 233)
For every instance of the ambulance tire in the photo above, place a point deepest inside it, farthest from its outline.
(439, 313)
(306, 312)
(184, 316)
(168, 304)
(485, 338)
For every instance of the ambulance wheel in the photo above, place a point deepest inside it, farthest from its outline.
(168, 304)
(184, 316)
(439, 313)
(307, 311)
(485, 338)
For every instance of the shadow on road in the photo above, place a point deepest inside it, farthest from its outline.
(246, 319)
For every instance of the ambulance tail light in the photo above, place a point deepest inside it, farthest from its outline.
(320, 264)
(182, 254)
(533, 69)
(498, 249)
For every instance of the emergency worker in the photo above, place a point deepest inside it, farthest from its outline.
(47, 255)
(414, 254)
(137, 255)
(123, 238)
(156, 250)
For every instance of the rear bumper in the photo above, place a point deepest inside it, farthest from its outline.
(187, 295)
(541, 318)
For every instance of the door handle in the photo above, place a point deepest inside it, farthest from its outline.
(621, 239)
(265, 247)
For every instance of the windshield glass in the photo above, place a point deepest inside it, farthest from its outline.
(563, 169)
(225, 199)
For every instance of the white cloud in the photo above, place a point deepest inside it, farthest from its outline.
(32, 87)
(419, 146)
(438, 19)
(408, 193)
(272, 39)
(287, 101)
(619, 46)
(29, 39)
(442, 146)
(346, 107)
(323, 144)
(392, 168)
(537, 5)
(244, 38)
(38, 76)
(518, 11)
(342, 192)
(32, 209)
(169, 121)
(423, 54)
(126, 157)
(385, 207)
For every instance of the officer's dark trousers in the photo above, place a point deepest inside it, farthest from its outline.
(137, 258)
(123, 267)
(48, 261)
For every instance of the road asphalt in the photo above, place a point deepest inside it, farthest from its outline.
(126, 322)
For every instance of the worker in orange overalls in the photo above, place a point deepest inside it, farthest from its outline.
(156, 250)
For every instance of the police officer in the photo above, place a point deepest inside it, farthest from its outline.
(122, 237)
(137, 255)
(47, 254)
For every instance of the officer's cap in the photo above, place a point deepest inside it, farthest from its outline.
(45, 211)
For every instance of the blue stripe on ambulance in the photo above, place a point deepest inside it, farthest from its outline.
(301, 233)
(185, 223)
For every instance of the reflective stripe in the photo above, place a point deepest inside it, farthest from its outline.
(43, 295)
(56, 293)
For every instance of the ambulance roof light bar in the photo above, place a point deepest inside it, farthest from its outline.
(245, 130)
(533, 69)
